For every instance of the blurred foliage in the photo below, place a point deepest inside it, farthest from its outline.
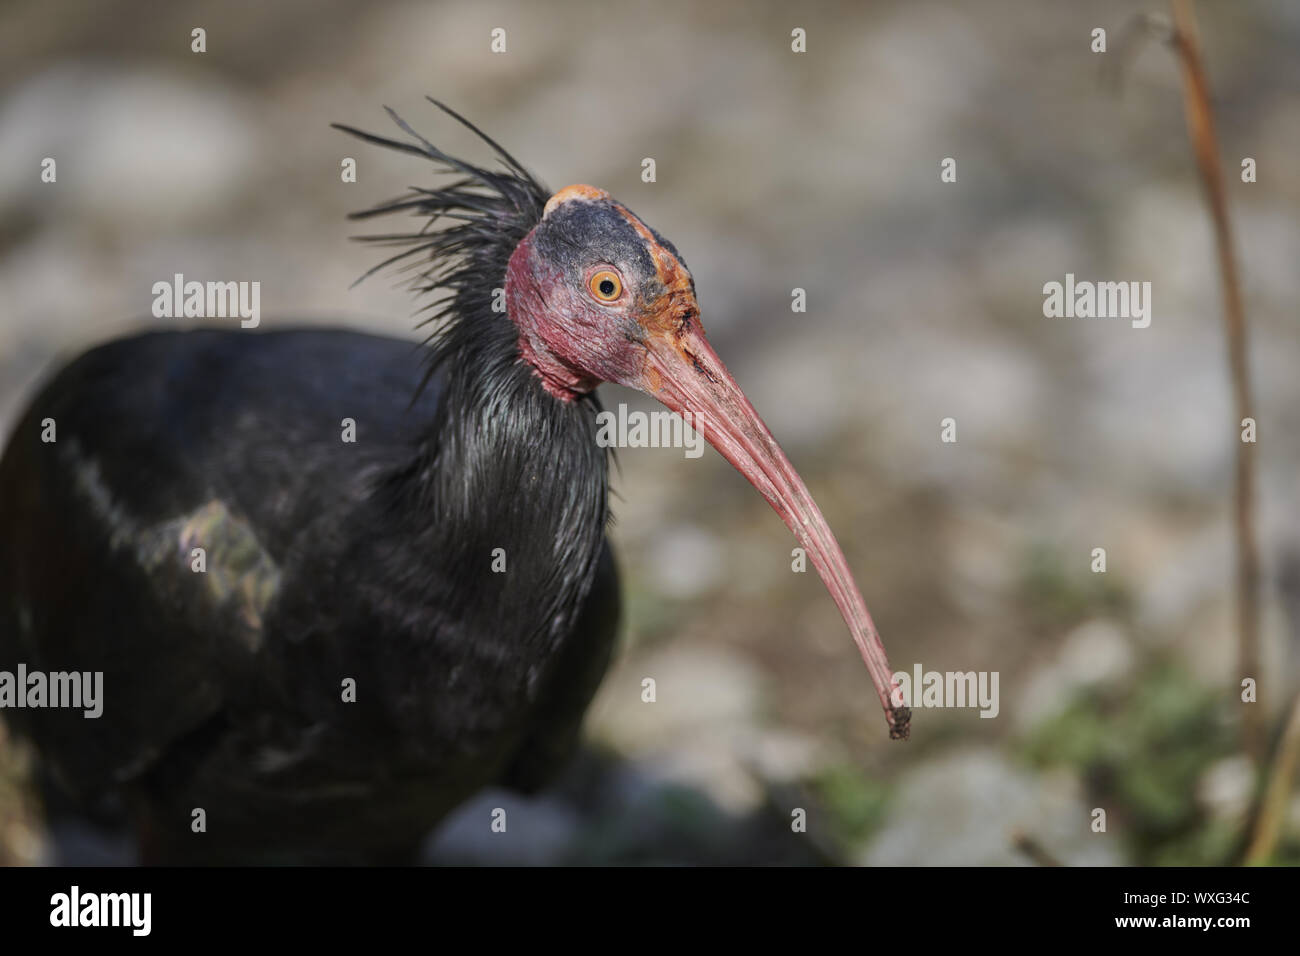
(648, 616)
(1056, 592)
(856, 803)
(1141, 751)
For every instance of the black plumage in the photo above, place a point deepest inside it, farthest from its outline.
(325, 561)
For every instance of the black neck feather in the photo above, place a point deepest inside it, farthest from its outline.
(507, 472)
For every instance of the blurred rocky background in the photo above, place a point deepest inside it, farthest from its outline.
(777, 170)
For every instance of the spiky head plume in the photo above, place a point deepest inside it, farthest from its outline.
(461, 251)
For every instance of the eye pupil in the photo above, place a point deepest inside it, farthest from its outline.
(605, 286)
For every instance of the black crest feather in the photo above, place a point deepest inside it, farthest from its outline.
(471, 226)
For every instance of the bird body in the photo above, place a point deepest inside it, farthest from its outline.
(325, 562)
(335, 583)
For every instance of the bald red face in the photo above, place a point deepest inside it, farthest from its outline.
(593, 289)
(597, 295)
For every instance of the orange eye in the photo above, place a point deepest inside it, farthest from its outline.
(605, 285)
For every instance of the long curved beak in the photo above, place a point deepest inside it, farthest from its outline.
(684, 373)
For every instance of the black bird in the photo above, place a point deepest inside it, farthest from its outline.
(378, 628)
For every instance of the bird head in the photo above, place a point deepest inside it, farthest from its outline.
(599, 296)
(596, 295)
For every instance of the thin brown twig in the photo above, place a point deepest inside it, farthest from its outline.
(1031, 847)
(1200, 125)
(1273, 808)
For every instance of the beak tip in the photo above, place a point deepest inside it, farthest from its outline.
(900, 723)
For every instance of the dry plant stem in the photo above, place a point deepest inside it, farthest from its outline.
(1272, 812)
(1033, 849)
(1200, 125)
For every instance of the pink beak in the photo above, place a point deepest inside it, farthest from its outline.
(685, 374)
